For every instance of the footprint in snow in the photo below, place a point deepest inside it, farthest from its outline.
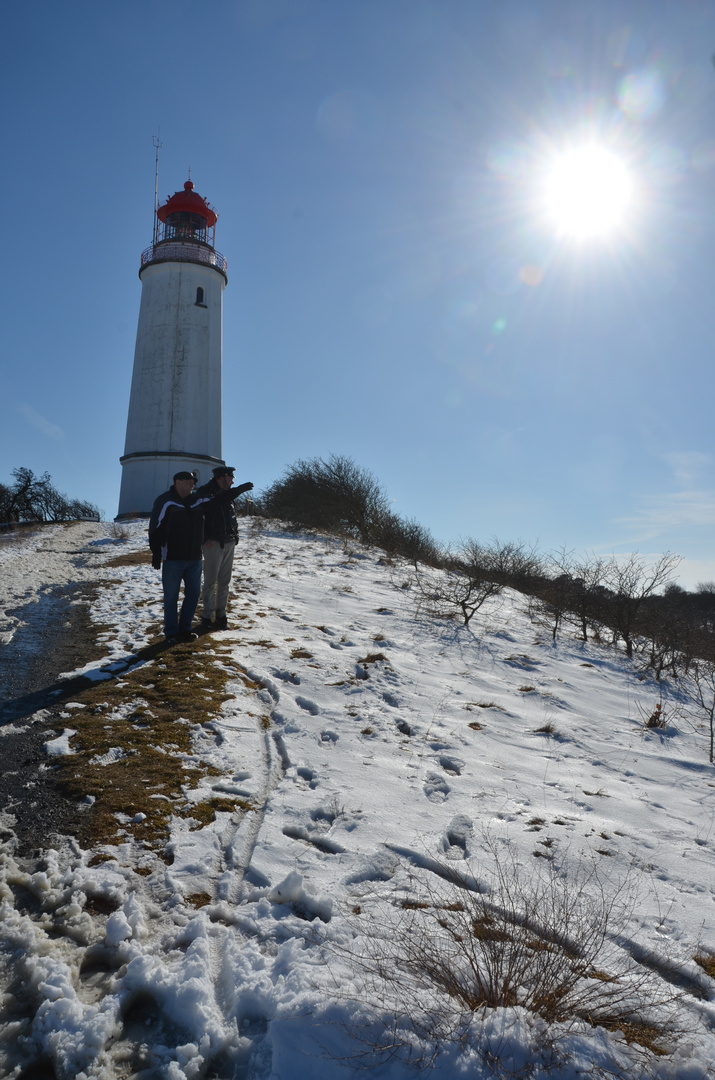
(436, 789)
(390, 699)
(455, 840)
(322, 843)
(96, 973)
(307, 774)
(453, 766)
(382, 866)
(309, 706)
(287, 676)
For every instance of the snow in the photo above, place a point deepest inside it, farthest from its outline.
(346, 735)
(60, 745)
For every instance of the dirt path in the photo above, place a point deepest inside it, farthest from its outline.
(45, 594)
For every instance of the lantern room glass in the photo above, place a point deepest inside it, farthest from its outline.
(183, 225)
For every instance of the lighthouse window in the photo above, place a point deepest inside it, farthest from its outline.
(185, 225)
(200, 298)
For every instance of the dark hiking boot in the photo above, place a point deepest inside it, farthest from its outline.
(221, 622)
(206, 626)
(187, 635)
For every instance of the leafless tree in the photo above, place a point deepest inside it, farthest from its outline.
(630, 582)
(703, 676)
(587, 574)
(35, 498)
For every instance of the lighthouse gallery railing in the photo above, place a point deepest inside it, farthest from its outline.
(176, 251)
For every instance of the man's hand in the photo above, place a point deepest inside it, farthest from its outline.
(235, 492)
(156, 560)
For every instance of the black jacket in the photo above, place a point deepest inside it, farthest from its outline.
(220, 522)
(176, 526)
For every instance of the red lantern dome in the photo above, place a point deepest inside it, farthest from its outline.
(187, 201)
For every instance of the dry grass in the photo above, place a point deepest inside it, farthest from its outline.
(542, 939)
(649, 1036)
(706, 962)
(150, 714)
(204, 812)
(198, 899)
(132, 558)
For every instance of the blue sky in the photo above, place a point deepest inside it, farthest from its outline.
(395, 291)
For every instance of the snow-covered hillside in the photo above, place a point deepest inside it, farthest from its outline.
(361, 755)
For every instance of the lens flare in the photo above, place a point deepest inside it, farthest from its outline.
(642, 94)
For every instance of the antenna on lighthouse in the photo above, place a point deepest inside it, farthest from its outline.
(155, 141)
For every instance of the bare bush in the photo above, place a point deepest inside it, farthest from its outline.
(551, 603)
(579, 584)
(507, 562)
(34, 498)
(339, 496)
(336, 495)
(703, 676)
(463, 587)
(630, 582)
(406, 537)
(545, 941)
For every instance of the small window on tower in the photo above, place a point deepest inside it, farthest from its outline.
(200, 298)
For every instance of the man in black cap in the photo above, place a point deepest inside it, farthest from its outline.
(176, 534)
(220, 537)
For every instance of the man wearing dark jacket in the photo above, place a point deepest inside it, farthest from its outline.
(220, 536)
(176, 534)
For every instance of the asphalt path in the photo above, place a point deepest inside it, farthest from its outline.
(57, 638)
(49, 632)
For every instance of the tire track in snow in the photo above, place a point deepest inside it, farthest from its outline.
(239, 846)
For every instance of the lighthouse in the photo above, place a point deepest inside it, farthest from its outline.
(174, 420)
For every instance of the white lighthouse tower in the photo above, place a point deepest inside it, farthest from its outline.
(174, 420)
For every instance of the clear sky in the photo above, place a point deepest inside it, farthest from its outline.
(400, 289)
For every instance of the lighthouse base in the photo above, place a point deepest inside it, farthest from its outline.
(145, 476)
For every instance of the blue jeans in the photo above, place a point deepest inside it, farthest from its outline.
(173, 572)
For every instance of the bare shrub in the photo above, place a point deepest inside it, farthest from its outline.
(406, 537)
(586, 577)
(544, 940)
(336, 495)
(474, 573)
(703, 677)
(339, 496)
(657, 718)
(34, 498)
(631, 581)
(118, 531)
(453, 593)
(551, 603)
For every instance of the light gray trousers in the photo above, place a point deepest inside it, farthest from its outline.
(218, 564)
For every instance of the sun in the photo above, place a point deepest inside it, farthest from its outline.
(587, 192)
